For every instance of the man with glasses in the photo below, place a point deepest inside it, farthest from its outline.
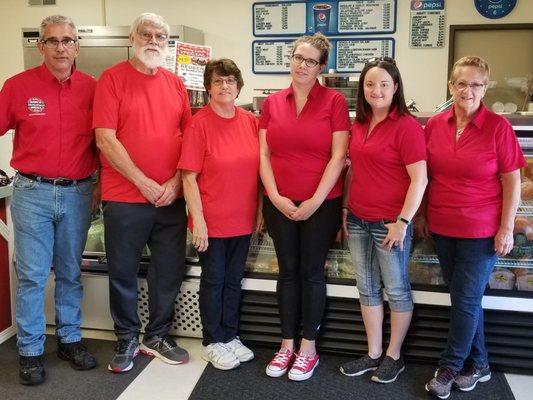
(50, 108)
(140, 110)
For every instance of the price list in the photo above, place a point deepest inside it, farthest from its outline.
(427, 29)
(279, 18)
(352, 54)
(366, 16)
(271, 56)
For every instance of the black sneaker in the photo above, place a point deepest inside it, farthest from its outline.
(441, 385)
(360, 366)
(164, 348)
(31, 370)
(125, 351)
(77, 354)
(388, 370)
(468, 378)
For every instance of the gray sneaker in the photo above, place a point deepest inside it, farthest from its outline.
(388, 370)
(441, 385)
(360, 366)
(468, 378)
(125, 351)
(164, 348)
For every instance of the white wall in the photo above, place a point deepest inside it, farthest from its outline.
(227, 25)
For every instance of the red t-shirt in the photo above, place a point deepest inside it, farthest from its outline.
(225, 154)
(300, 147)
(379, 178)
(465, 193)
(148, 113)
(52, 122)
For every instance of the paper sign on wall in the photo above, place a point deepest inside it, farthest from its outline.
(427, 24)
(188, 61)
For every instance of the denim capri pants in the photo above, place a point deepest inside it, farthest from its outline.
(375, 265)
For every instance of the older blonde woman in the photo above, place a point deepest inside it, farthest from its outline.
(474, 190)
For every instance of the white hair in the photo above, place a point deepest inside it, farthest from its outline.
(151, 19)
(57, 20)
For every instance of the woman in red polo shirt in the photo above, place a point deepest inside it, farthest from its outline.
(474, 191)
(304, 140)
(220, 153)
(388, 179)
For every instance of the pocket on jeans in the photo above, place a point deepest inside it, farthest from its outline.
(85, 188)
(23, 183)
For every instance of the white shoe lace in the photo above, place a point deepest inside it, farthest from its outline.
(281, 358)
(301, 362)
(217, 350)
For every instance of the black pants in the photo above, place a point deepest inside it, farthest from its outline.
(128, 228)
(302, 248)
(220, 287)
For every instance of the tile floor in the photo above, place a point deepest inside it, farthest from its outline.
(161, 376)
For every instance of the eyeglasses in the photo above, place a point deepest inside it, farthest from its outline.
(309, 62)
(376, 60)
(54, 43)
(475, 86)
(147, 36)
(231, 81)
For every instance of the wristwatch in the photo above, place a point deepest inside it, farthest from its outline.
(405, 221)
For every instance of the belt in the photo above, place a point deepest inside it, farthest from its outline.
(57, 181)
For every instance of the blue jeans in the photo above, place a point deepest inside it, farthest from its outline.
(50, 225)
(466, 267)
(220, 287)
(374, 264)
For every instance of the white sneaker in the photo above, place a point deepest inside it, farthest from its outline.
(242, 352)
(220, 356)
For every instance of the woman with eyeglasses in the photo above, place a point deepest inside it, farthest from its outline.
(220, 164)
(474, 162)
(303, 144)
(384, 188)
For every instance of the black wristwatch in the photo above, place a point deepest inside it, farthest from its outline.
(405, 221)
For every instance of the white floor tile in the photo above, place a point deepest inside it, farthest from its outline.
(164, 381)
(521, 385)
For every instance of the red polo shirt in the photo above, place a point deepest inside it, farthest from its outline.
(300, 146)
(225, 154)
(148, 113)
(52, 122)
(379, 178)
(465, 193)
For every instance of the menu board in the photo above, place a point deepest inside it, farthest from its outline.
(347, 55)
(279, 18)
(335, 17)
(427, 24)
(351, 55)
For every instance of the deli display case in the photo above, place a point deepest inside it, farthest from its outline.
(508, 300)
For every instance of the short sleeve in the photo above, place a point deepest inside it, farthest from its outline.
(7, 117)
(193, 148)
(106, 103)
(412, 144)
(510, 156)
(340, 118)
(265, 114)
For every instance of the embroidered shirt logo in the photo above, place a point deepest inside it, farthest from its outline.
(35, 105)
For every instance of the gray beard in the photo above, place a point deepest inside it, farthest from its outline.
(151, 61)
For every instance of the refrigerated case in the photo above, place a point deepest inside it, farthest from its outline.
(508, 302)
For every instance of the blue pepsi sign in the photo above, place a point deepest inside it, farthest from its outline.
(494, 9)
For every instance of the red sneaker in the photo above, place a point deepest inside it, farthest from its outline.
(280, 363)
(303, 367)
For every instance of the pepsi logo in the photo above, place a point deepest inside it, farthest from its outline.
(416, 5)
(322, 17)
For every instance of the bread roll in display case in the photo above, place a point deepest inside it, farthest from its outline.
(508, 302)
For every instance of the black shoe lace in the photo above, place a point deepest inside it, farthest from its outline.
(123, 345)
(31, 362)
(168, 342)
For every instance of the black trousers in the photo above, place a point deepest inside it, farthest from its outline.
(220, 287)
(128, 228)
(302, 248)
